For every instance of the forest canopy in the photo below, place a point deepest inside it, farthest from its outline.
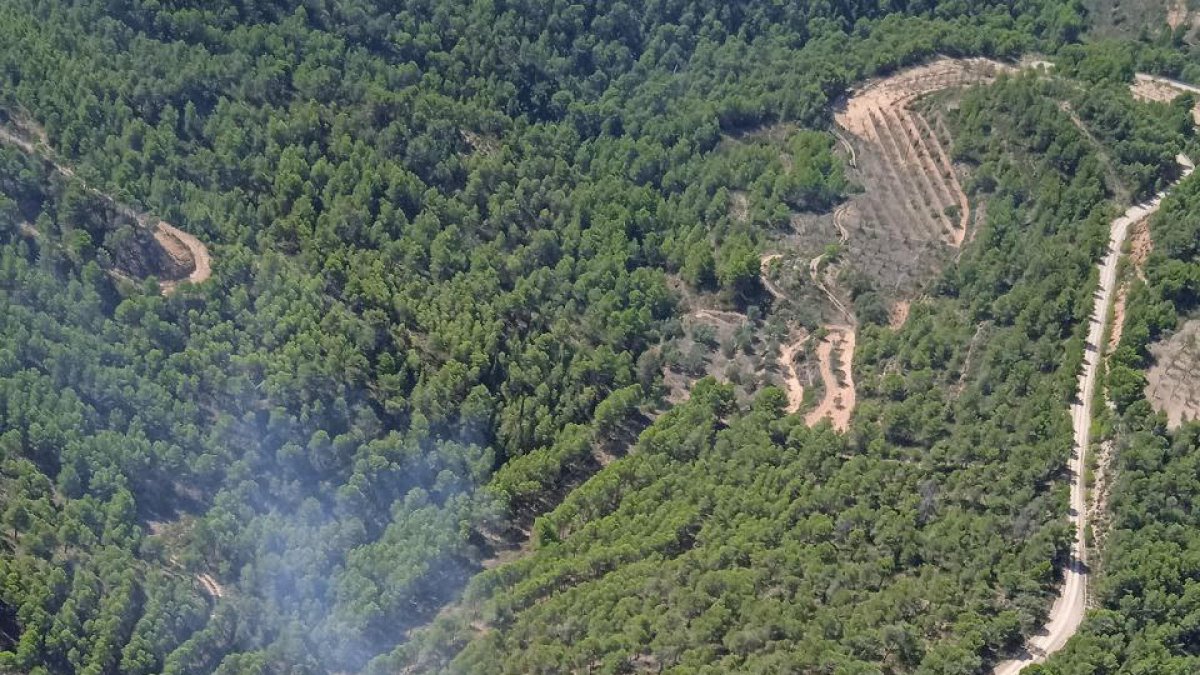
(449, 241)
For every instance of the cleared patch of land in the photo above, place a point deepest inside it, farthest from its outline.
(905, 225)
(188, 256)
(1140, 246)
(1172, 385)
(836, 354)
(1162, 90)
(912, 193)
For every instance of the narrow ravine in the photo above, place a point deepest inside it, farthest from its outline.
(1069, 608)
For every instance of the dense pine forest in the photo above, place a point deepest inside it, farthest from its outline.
(416, 419)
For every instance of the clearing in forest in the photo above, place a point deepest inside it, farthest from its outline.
(188, 257)
(912, 212)
(912, 193)
(910, 217)
(905, 225)
(835, 354)
(1162, 90)
(1172, 386)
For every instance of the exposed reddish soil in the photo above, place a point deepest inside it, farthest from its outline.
(1140, 246)
(721, 315)
(185, 249)
(787, 358)
(789, 348)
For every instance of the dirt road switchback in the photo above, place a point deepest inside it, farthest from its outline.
(1068, 610)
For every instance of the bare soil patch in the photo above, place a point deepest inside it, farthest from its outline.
(187, 250)
(213, 589)
(188, 257)
(913, 214)
(1172, 385)
(1140, 246)
(1177, 14)
(898, 314)
(912, 187)
(792, 382)
(836, 355)
(1162, 90)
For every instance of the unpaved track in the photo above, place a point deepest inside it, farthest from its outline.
(838, 402)
(210, 586)
(787, 356)
(185, 249)
(1157, 88)
(1068, 610)
(789, 349)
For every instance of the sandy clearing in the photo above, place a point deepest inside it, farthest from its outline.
(1177, 14)
(882, 110)
(814, 270)
(765, 265)
(787, 357)
(1140, 248)
(840, 214)
(837, 405)
(210, 586)
(1171, 384)
(788, 349)
(898, 315)
(1101, 491)
(1118, 322)
(182, 247)
(1162, 89)
(721, 315)
(1068, 610)
(847, 147)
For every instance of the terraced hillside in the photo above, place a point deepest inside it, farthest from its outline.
(912, 201)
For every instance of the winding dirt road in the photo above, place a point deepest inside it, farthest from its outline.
(789, 349)
(185, 249)
(1068, 610)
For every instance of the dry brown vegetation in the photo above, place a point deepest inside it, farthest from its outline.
(1172, 385)
(898, 314)
(1177, 14)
